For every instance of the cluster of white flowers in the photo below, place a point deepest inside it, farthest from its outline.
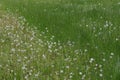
(27, 53)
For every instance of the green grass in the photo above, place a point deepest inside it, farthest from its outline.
(93, 25)
(63, 18)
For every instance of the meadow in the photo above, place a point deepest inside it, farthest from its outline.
(59, 40)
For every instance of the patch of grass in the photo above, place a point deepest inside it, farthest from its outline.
(87, 31)
(63, 18)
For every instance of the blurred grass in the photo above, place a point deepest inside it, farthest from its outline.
(80, 21)
(73, 20)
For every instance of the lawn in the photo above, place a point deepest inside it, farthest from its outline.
(59, 40)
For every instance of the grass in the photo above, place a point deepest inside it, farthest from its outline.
(72, 40)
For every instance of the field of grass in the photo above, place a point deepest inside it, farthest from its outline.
(59, 40)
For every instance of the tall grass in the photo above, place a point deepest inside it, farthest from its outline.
(76, 40)
(65, 19)
(26, 54)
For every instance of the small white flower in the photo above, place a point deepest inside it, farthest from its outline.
(104, 60)
(91, 60)
(111, 57)
(26, 77)
(12, 71)
(61, 71)
(96, 64)
(37, 74)
(112, 54)
(71, 73)
(15, 78)
(71, 76)
(67, 67)
(0, 66)
(83, 77)
(2, 41)
(23, 67)
(80, 73)
(95, 68)
(101, 70)
(13, 49)
(25, 57)
(101, 75)
(86, 50)
(100, 66)
(30, 73)
(118, 2)
(117, 39)
(49, 50)
(44, 57)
